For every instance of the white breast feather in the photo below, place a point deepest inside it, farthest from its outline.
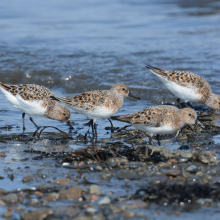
(98, 113)
(166, 129)
(184, 93)
(32, 108)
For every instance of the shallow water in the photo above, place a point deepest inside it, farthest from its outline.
(76, 46)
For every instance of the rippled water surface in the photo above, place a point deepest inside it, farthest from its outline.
(76, 46)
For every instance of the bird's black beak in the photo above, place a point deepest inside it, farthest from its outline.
(199, 123)
(131, 95)
(69, 123)
(196, 123)
(54, 98)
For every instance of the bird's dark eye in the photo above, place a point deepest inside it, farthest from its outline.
(190, 114)
(64, 114)
(123, 89)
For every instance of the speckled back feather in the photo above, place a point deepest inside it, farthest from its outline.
(28, 92)
(186, 79)
(153, 116)
(40, 94)
(87, 100)
(111, 99)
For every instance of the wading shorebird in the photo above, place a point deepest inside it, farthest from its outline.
(34, 100)
(187, 86)
(161, 119)
(98, 104)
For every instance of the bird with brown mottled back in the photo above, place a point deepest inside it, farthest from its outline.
(161, 119)
(187, 86)
(34, 100)
(98, 104)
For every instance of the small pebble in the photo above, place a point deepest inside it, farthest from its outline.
(172, 172)
(115, 209)
(38, 193)
(95, 189)
(106, 175)
(20, 208)
(90, 211)
(36, 215)
(34, 201)
(183, 160)
(51, 197)
(192, 168)
(74, 192)
(99, 168)
(2, 154)
(27, 179)
(2, 203)
(10, 198)
(134, 204)
(94, 198)
(7, 215)
(105, 201)
(128, 214)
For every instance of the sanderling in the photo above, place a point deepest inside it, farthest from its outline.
(35, 100)
(187, 86)
(98, 104)
(161, 119)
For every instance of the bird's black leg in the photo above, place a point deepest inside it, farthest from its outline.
(112, 129)
(186, 104)
(23, 115)
(150, 140)
(31, 119)
(95, 129)
(158, 139)
(90, 123)
(178, 102)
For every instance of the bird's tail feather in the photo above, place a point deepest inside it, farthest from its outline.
(152, 67)
(157, 70)
(123, 118)
(5, 86)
